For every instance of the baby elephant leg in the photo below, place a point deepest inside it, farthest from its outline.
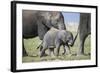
(51, 51)
(41, 47)
(42, 53)
(67, 49)
(57, 49)
(57, 45)
(64, 50)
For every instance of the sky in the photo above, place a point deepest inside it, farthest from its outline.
(71, 17)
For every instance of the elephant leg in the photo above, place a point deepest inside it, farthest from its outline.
(57, 44)
(51, 51)
(43, 49)
(64, 50)
(67, 49)
(24, 53)
(82, 41)
(57, 49)
(81, 46)
(40, 49)
(43, 52)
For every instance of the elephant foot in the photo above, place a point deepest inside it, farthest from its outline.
(63, 53)
(42, 55)
(24, 54)
(68, 53)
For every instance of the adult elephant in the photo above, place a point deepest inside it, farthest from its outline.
(84, 30)
(37, 23)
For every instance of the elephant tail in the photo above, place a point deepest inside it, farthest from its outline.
(40, 45)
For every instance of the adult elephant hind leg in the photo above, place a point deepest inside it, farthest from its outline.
(24, 53)
(81, 46)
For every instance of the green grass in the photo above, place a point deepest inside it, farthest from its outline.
(33, 53)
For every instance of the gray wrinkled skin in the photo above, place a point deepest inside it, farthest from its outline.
(54, 38)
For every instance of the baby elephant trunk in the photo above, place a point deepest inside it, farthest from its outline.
(70, 42)
(73, 41)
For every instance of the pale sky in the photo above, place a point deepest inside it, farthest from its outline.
(71, 17)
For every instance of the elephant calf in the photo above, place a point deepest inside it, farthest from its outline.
(54, 38)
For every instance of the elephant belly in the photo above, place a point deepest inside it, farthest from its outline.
(50, 41)
(50, 37)
(29, 31)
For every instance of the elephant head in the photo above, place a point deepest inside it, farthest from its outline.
(67, 37)
(49, 19)
(71, 39)
(57, 20)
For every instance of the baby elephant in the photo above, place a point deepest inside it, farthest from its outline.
(54, 38)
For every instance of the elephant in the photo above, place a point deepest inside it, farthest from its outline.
(84, 30)
(54, 38)
(37, 23)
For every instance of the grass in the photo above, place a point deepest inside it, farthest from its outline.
(33, 53)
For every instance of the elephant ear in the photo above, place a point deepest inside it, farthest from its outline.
(42, 29)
